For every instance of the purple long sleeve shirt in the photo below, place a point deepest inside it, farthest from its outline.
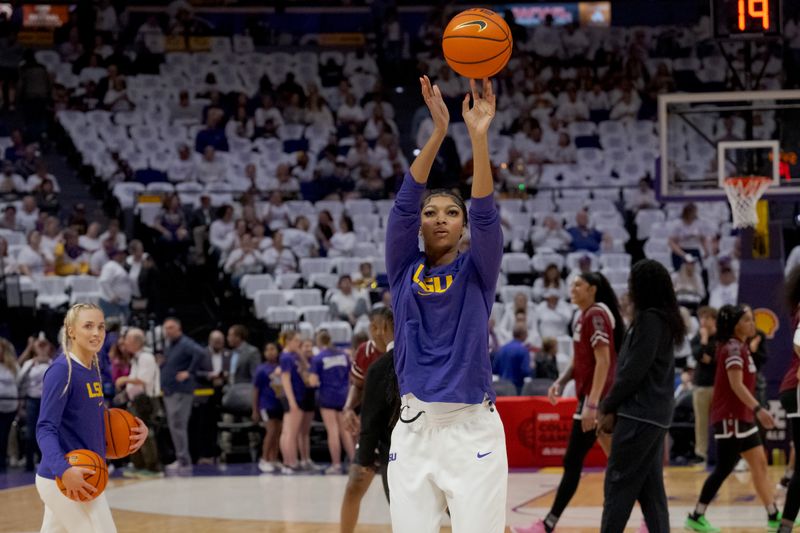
(70, 421)
(441, 314)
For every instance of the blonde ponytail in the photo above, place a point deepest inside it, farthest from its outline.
(70, 319)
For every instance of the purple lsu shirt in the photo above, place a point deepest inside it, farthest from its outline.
(70, 421)
(333, 369)
(441, 315)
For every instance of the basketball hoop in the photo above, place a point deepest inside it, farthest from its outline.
(744, 192)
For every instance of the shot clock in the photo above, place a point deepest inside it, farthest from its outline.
(746, 19)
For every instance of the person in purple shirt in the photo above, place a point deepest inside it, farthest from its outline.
(294, 389)
(330, 371)
(448, 448)
(267, 406)
(71, 418)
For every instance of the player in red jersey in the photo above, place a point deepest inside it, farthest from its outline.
(789, 394)
(734, 409)
(598, 330)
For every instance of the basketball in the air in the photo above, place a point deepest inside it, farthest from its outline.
(477, 43)
(91, 461)
(119, 430)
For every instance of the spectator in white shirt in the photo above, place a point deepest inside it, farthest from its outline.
(689, 287)
(346, 303)
(572, 109)
(359, 61)
(301, 241)
(378, 124)
(116, 288)
(521, 309)
(268, 113)
(101, 256)
(642, 197)
(184, 111)
(116, 98)
(275, 213)
(597, 99)
(210, 171)
(688, 237)
(113, 232)
(106, 18)
(553, 314)
(576, 43)
(360, 153)
(135, 263)
(287, 184)
(241, 126)
(150, 36)
(51, 236)
(546, 41)
(279, 258)
(244, 259)
(727, 292)
(11, 182)
(9, 221)
(550, 279)
(449, 85)
(317, 111)
(8, 264)
(32, 260)
(183, 168)
(350, 112)
(343, 242)
(91, 240)
(221, 234)
(627, 108)
(551, 234)
(41, 175)
(29, 214)
(564, 151)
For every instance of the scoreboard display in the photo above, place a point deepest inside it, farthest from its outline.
(746, 19)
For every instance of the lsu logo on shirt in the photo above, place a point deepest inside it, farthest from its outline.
(94, 389)
(431, 285)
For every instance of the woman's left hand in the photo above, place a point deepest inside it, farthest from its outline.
(139, 435)
(479, 117)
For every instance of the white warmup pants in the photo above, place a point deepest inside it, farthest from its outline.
(62, 515)
(448, 455)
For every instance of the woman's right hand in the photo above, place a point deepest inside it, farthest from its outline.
(765, 419)
(76, 485)
(433, 99)
(554, 392)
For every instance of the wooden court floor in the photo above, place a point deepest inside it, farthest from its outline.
(529, 497)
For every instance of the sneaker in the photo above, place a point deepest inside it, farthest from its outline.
(289, 470)
(173, 467)
(333, 470)
(536, 527)
(701, 525)
(130, 473)
(266, 467)
(149, 474)
(741, 466)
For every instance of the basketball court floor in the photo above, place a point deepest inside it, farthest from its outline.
(238, 500)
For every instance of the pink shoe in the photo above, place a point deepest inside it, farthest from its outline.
(536, 527)
(643, 527)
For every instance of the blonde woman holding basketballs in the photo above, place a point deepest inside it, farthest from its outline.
(72, 418)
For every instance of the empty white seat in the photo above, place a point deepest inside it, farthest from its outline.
(326, 281)
(305, 297)
(315, 314)
(279, 316)
(266, 299)
(359, 206)
(574, 257)
(252, 283)
(287, 280)
(84, 297)
(541, 260)
(341, 332)
(617, 276)
(51, 291)
(516, 263)
(83, 283)
(316, 265)
(349, 265)
(610, 260)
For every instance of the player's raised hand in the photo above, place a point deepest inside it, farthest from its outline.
(480, 115)
(433, 99)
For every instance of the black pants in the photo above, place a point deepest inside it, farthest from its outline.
(580, 443)
(32, 408)
(792, 505)
(6, 420)
(635, 473)
(729, 451)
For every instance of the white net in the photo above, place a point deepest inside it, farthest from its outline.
(743, 195)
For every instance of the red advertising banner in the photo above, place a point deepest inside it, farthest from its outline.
(537, 432)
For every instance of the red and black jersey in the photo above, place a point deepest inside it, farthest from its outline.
(366, 354)
(790, 379)
(725, 405)
(592, 328)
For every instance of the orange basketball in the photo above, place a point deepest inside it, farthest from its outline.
(119, 428)
(87, 459)
(477, 43)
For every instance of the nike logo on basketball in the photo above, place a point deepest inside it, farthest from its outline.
(480, 23)
(482, 455)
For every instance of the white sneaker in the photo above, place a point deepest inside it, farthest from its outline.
(266, 467)
(333, 470)
(741, 466)
(172, 467)
(289, 471)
